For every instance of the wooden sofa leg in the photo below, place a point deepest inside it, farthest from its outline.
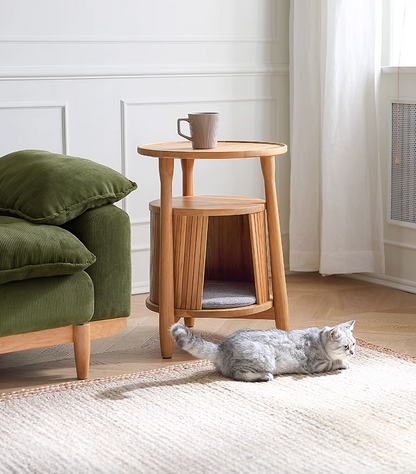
(82, 349)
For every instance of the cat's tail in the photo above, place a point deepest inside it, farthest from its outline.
(195, 345)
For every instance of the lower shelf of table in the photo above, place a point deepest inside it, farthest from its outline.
(255, 311)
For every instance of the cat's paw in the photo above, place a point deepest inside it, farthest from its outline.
(341, 365)
(253, 376)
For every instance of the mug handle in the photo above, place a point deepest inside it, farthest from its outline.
(179, 128)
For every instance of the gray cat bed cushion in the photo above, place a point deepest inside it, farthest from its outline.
(228, 294)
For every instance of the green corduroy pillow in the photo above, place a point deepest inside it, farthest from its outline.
(31, 251)
(50, 188)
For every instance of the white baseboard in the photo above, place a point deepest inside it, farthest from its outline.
(140, 287)
(378, 279)
(385, 280)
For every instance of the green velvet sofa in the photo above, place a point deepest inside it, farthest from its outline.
(65, 253)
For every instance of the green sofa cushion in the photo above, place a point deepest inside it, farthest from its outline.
(45, 303)
(30, 251)
(50, 188)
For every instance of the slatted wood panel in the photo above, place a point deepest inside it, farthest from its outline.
(154, 257)
(259, 254)
(190, 241)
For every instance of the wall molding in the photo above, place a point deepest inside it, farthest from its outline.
(401, 245)
(140, 221)
(403, 69)
(45, 105)
(134, 71)
(133, 40)
(140, 248)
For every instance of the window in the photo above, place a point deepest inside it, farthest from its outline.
(403, 33)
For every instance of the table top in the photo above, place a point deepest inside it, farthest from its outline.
(224, 149)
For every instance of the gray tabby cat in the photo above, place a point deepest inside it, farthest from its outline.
(255, 356)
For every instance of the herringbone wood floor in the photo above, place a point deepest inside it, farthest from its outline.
(384, 317)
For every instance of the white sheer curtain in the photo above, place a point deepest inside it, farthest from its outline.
(336, 223)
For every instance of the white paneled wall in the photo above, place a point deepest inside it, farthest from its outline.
(35, 124)
(96, 79)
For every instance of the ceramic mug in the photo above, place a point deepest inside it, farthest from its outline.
(203, 127)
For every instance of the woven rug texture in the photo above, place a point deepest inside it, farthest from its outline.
(189, 419)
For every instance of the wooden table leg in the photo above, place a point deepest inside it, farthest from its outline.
(281, 308)
(187, 177)
(166, 285)
(188, 190)
(82, 349)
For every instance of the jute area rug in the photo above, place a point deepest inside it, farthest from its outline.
(189, 419)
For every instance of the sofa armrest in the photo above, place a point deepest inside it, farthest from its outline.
(105, 231)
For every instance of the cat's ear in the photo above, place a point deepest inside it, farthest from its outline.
(350, 324)
(333, 333)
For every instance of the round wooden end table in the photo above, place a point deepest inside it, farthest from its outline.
(201, 239)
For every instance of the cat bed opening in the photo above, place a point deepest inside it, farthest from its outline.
(228, 294)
